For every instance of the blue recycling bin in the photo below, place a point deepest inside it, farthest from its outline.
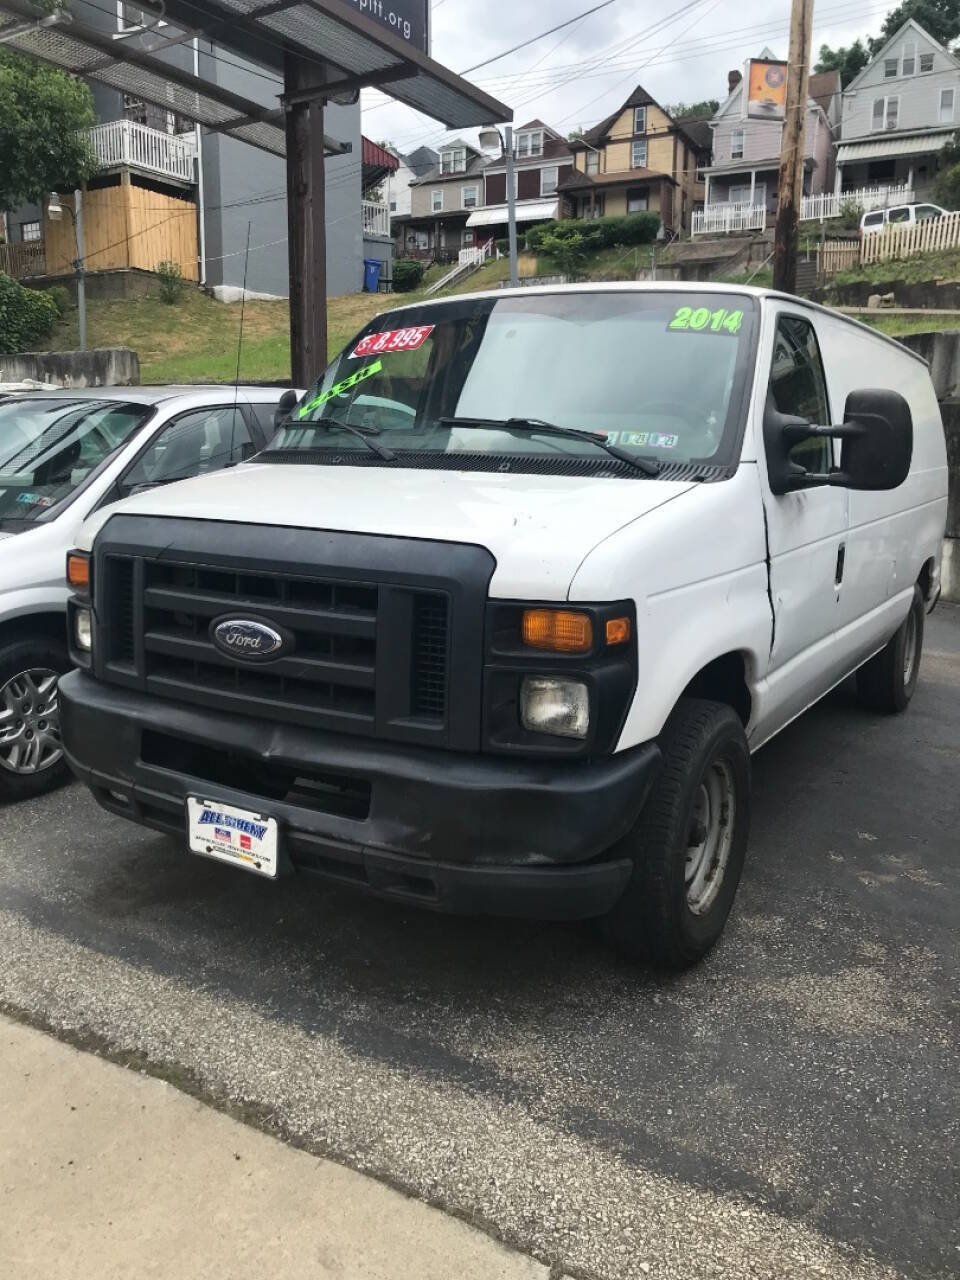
(371, 274)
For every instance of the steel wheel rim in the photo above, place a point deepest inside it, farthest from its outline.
(30, 722)
(910, 647)
(710, 837)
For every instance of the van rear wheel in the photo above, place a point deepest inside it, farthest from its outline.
(888, 681)
(689, 843)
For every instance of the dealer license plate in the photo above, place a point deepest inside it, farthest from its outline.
(238, 836)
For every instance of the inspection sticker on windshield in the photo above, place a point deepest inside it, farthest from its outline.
(392, 340)
(340, 388)
(703, 320)
(232, 835)
(636, 439)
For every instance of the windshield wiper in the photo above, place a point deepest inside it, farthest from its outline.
(537, 426)
(334, 424)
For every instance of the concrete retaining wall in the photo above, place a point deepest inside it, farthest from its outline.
(942, 351)
(106, 367)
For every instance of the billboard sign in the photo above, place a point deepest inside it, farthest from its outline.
(766, 96)
(408, 19)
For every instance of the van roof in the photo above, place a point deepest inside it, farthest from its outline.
(670, 286)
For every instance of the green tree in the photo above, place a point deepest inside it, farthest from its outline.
(948, 179)
(849, 60)
(941, 18)
(568, 253)
(44, 114)
(686, 110)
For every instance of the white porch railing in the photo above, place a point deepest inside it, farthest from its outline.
(830, 203)
(125, 142)
(476, 255)
(376, 218)
(733, 215)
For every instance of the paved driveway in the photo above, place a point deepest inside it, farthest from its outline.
(790, 1108)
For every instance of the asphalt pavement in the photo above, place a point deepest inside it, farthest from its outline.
(790, 1108)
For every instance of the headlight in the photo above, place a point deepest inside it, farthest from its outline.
(83, 630)
(555, 706)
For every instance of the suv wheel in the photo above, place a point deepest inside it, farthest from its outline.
(31, 755)
(689, 842)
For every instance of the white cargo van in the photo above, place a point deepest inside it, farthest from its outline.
(496, 620)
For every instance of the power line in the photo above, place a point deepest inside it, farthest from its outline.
(534, 39)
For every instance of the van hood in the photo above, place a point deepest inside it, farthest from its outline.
(538, 528)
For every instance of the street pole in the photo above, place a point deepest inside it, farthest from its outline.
(511, 208)
(791, 152)
(306, 225)
(80, 267)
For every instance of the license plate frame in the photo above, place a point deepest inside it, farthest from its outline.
(238, 837)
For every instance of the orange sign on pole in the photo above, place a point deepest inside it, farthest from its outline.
(766, 90)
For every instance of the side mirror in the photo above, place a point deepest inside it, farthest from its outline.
(877, 436)
(285, 406)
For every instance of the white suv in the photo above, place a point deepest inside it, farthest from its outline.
(877, 219)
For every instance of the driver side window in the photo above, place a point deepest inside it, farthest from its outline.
(193, 444)
(799, 388)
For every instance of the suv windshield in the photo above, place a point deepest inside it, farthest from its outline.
(660, 374)
(49, 447)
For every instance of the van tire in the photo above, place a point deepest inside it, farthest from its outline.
(888, 681)
(38, 653)
(705, 760)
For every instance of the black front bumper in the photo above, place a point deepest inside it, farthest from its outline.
(468, 834)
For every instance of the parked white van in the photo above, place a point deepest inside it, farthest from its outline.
(899, 215)
(496, 620)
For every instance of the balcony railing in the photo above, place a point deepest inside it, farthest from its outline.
(732, 215)
(831, 203)
(24, 259)
(125, 142)
(376, 219)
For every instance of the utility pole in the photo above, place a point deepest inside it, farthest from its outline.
(511, 206)
(791, 152)
(306, 222)
(80, 266)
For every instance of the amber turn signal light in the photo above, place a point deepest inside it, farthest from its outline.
(558, 630)
(78, 570)
(618, 630)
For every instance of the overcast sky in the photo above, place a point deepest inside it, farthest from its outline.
(579, 75)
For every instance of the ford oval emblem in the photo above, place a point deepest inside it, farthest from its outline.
(248, 639)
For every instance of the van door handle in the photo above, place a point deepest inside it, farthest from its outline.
(841, 560)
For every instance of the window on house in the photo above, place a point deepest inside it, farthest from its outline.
(593, 162)
(702, 171)
(453, 161)
(468, 239)
(926, 63)
(548, 181)
(640, 120)
(886, 113)
(393, 206)
(891, 68)
(529, 144)
(469, 197)
(436, 201)
(638, 201)
(909, 63)
(736, 145)
(638, 154)
(945, 110)
(30, 231)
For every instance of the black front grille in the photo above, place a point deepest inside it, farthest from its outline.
(430, 655)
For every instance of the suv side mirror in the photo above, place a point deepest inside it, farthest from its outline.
(877, 435)
(285, 406)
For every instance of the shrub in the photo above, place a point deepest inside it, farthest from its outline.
(61, 297)
(948, 187)
(567, 252)
(850, 215)
(503, 246)
(408, 273)
(27, 316)
(598, 233)
(170, 279)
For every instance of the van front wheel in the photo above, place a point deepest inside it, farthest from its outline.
(887, 682)
(689, 842)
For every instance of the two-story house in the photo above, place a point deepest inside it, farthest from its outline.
(542, 161)
(440, 204)
(744, 171)
(897, 115)
(639, 158)
(411, 167)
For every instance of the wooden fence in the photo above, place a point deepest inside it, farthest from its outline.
(23, 259)
(837, 255)
(904, 240)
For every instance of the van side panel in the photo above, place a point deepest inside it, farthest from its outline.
(891, 534)
(697, 570)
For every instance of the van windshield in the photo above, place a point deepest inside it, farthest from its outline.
(658, 373)
(49, 447)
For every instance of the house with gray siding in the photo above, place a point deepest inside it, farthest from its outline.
(441, 202)
(745, 162)
(898, 114)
